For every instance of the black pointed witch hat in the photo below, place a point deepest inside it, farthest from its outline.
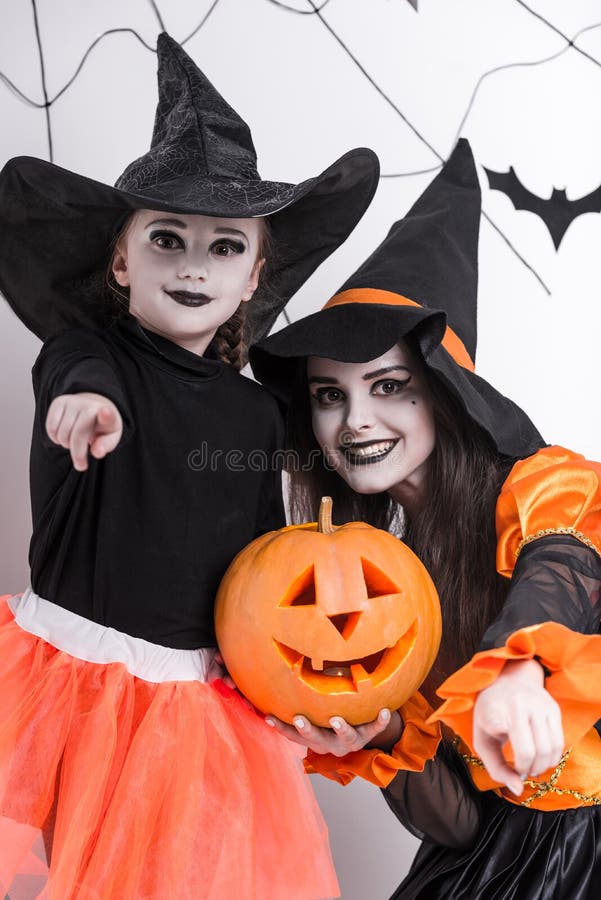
(420, 281)
(57, 226)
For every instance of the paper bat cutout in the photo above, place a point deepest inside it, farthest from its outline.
(557, 212)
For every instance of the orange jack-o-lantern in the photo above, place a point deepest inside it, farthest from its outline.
(322, 620)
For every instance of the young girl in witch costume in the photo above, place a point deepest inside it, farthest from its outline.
(124, 773)
(509, 802)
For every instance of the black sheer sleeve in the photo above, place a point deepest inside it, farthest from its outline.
(556, 579)
(440, 804)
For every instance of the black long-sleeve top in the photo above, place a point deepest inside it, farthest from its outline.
(140, 540)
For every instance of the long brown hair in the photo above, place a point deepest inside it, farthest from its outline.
(453, 533)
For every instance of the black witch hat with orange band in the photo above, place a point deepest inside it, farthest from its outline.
(57, 225)
(421, 282)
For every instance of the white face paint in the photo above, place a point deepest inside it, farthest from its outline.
(374, 421)
(187, 275)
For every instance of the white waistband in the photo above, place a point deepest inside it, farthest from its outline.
(83, 639)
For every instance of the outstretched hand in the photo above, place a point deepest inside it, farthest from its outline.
(342, 738)
(79, 422)
(518, 709)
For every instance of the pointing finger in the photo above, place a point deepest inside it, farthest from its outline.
(79, 442)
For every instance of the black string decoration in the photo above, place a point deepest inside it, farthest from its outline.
(299, 12)
(373, 83)
(516, 65)
(157, 13)
(557, 212)
(316, 10)
(559, 32)
(485, 215)
(46, 104)
(110, 31)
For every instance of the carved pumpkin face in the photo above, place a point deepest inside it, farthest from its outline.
(339, 621)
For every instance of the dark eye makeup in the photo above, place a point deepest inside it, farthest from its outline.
(229, 245)
(389, 386)
(170, 240)
(166, 240)
(323, 395)
(386, 387)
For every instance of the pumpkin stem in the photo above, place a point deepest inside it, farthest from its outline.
(324, 521)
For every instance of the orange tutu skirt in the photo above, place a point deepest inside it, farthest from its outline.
(113, 786)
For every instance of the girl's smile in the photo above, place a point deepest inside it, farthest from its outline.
(186, 274)
(374, 421)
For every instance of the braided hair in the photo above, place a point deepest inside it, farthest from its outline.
(232, 339)
(229, 340)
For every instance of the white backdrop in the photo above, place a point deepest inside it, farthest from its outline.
(313, 84)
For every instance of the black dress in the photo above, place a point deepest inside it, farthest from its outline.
(125, 771)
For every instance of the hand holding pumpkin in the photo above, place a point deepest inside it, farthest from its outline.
(342, 738)
(338, 623)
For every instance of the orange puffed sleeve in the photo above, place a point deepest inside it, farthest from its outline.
(554, 491)
(417, 744)
(573, 661)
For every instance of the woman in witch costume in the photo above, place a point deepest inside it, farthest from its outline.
(509, 802)
(124, 773)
